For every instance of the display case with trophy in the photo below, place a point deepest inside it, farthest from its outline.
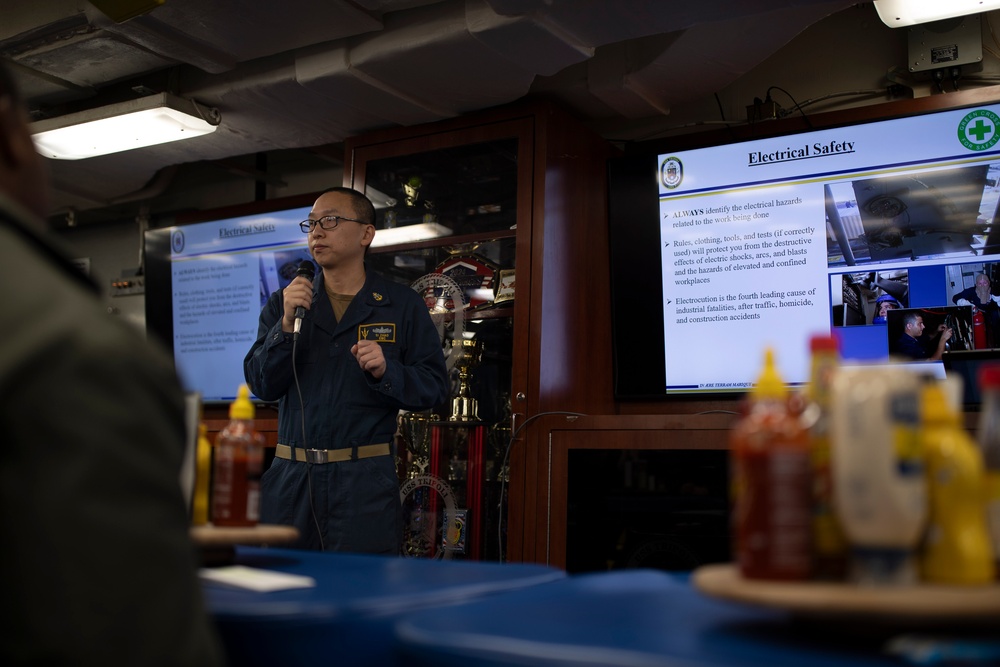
(450, 474)
(474, 199)
(446, 224)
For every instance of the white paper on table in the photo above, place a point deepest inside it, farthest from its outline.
(255, 579)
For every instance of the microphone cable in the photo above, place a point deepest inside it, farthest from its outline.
(305, 443)
(302, 427)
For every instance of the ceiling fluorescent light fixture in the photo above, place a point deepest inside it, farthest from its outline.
(378, 198)
(123, 10)
(899, 13)
(424, 231)
(147, 121)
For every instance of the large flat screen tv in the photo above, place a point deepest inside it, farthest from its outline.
(720, 251)
(206, 283)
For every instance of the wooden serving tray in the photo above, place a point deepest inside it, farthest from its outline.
(259, 535)
(217, 544)
(919, 604)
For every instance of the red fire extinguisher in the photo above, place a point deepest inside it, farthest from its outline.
(979, 330)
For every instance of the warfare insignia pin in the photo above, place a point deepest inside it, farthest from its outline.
(383, 332)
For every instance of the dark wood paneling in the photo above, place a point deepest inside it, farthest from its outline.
(215, 419)
(656, 432)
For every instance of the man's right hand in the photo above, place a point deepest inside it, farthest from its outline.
(298, 293)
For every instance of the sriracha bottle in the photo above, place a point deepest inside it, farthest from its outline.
(829, 546)
(239, 459)
(772, 489)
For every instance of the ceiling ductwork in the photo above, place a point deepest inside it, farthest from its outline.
(309, 73)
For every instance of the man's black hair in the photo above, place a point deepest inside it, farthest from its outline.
(363, 207)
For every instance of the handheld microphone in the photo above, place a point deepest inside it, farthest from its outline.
(307, 271)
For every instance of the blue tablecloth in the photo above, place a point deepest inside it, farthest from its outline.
(347, 618)
(631, 618)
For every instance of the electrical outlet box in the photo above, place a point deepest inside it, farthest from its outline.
(128, 286)
(947, 43)
(759, 111)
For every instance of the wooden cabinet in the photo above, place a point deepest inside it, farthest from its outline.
(525, 187)
(598, 471)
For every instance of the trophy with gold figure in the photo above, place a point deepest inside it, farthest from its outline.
(415, 428)
(420, 501)
(468, 352)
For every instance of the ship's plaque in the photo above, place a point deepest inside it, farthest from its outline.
(474, 274)
(504, 287)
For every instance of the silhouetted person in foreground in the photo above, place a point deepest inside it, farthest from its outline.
(98, 565)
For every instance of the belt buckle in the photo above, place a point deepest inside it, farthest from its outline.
(316, 456)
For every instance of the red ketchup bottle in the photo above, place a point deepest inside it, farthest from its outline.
(772, 485)
(239, 459)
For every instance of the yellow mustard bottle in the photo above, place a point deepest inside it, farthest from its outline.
(202, 474)
(989, 444)
(957, 546)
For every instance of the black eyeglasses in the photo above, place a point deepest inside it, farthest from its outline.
(327, 222)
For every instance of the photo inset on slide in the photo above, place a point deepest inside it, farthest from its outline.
(924, 334)
(977, 285)
(932, 214)
(278, 268)
(865, 298)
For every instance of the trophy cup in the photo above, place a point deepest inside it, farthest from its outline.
(417, 498)
(468, 352)
(416, 430)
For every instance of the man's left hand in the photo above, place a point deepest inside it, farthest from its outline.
(370, 357)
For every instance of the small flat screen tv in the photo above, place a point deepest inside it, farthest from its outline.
(924, 337)
(206, 283)
(720, 251)
(967, 365)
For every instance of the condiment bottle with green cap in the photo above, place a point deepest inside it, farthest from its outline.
(239, 460)
(771, 484)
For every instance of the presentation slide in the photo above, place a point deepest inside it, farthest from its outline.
(766, 243)
(221, 275)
